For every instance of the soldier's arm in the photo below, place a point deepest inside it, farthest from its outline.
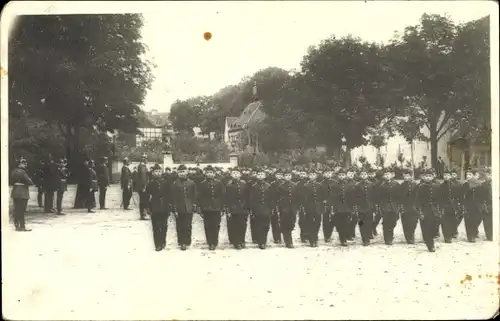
(26, 179)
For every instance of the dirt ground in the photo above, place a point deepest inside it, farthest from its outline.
(103, 266)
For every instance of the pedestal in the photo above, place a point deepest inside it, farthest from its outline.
(168, 161)
(233, 159)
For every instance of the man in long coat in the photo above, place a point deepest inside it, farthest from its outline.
(20, 194)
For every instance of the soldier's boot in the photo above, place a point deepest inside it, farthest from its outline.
(262, 246)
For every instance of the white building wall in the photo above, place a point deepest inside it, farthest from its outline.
(391, 150)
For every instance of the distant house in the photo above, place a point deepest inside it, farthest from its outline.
(150, 132)
(242, 132)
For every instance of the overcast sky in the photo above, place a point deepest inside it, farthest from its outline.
(249, 36)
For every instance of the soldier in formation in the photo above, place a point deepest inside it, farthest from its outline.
(341, 199)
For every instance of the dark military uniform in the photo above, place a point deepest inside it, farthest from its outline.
(409, 214)
(314, 206)
(103, 181)
(377, 182)
(487, 208)
(471, 191)
(92, 188)
(428, 206)
(328, 222)
(450, 197)
(302, 213)
(387, 197)
(183, 200)
(156, 192)
(261, 202)
(50, 182)
(236, 202)
(288, 207)
(210, 198)
(363, 196)
(343, 192)
(38, 181)
(126, 185)
(141, 182)
(62, 187)
(20, 196)
(275, 220)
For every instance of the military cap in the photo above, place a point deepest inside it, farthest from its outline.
(342, 171)
(22, 160)
(181, 168)
(125, 159)
(144, 156)
(487, 170)
(167, 168)
(407, 171)
(449, 170)
(209, 168)
(156, 167)
(471, 170)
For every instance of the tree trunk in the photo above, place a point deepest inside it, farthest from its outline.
(434, 147)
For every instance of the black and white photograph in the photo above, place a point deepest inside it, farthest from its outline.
(250, 160)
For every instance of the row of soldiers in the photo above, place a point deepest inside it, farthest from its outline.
(338, 198)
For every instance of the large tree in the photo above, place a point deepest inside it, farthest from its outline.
(78, 73)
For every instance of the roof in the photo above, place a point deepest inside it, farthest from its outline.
(232, 121)
(145, 122)
(252, 114)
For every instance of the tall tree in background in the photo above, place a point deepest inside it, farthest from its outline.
(78, 73)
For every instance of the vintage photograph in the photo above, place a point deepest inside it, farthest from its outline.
(250, 160)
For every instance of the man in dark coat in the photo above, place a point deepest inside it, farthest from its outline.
(450, 198)
(387, 196)
(142, 181)
(288, 208)
(126, 183)
(364, 208)
(314, 206)
(210, 200)
(183, 200)
(301, 182)
(103, 182)
(471, 191)
(407, 201)
(159, 213)
(353, 222)
(92, 187)
(487, 204)
(38, 181)
(50, 183)
(343, 208)
(328, 223)
(275, 180)
(261, 202)
(428, 207)
(236, 203)
(62, 186)
(20, 194)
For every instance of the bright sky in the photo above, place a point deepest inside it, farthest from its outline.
(249, 36)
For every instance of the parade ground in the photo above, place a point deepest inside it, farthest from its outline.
(103, 266)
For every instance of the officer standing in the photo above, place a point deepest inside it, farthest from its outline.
(126, 183)
(364, 208)
(20, 194)
(38, 180)
(486, 200)
(288, 208)
(103, 180)
(183, 199)
(210, 197)
(428, 207)
(275, 180)
(407, 202)
(236, 203)
(141, 182)
(327, 184)
(314, 206)
(472, 202)
(449, 195)
(387, 196)
(262, 205)
(50, 184)
(93, 187)
(353, 222)
(378, 180)
(454, 179)
(159, 214)
(301, 183)
(62, 186)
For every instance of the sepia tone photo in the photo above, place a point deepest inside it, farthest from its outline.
(251, 160)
